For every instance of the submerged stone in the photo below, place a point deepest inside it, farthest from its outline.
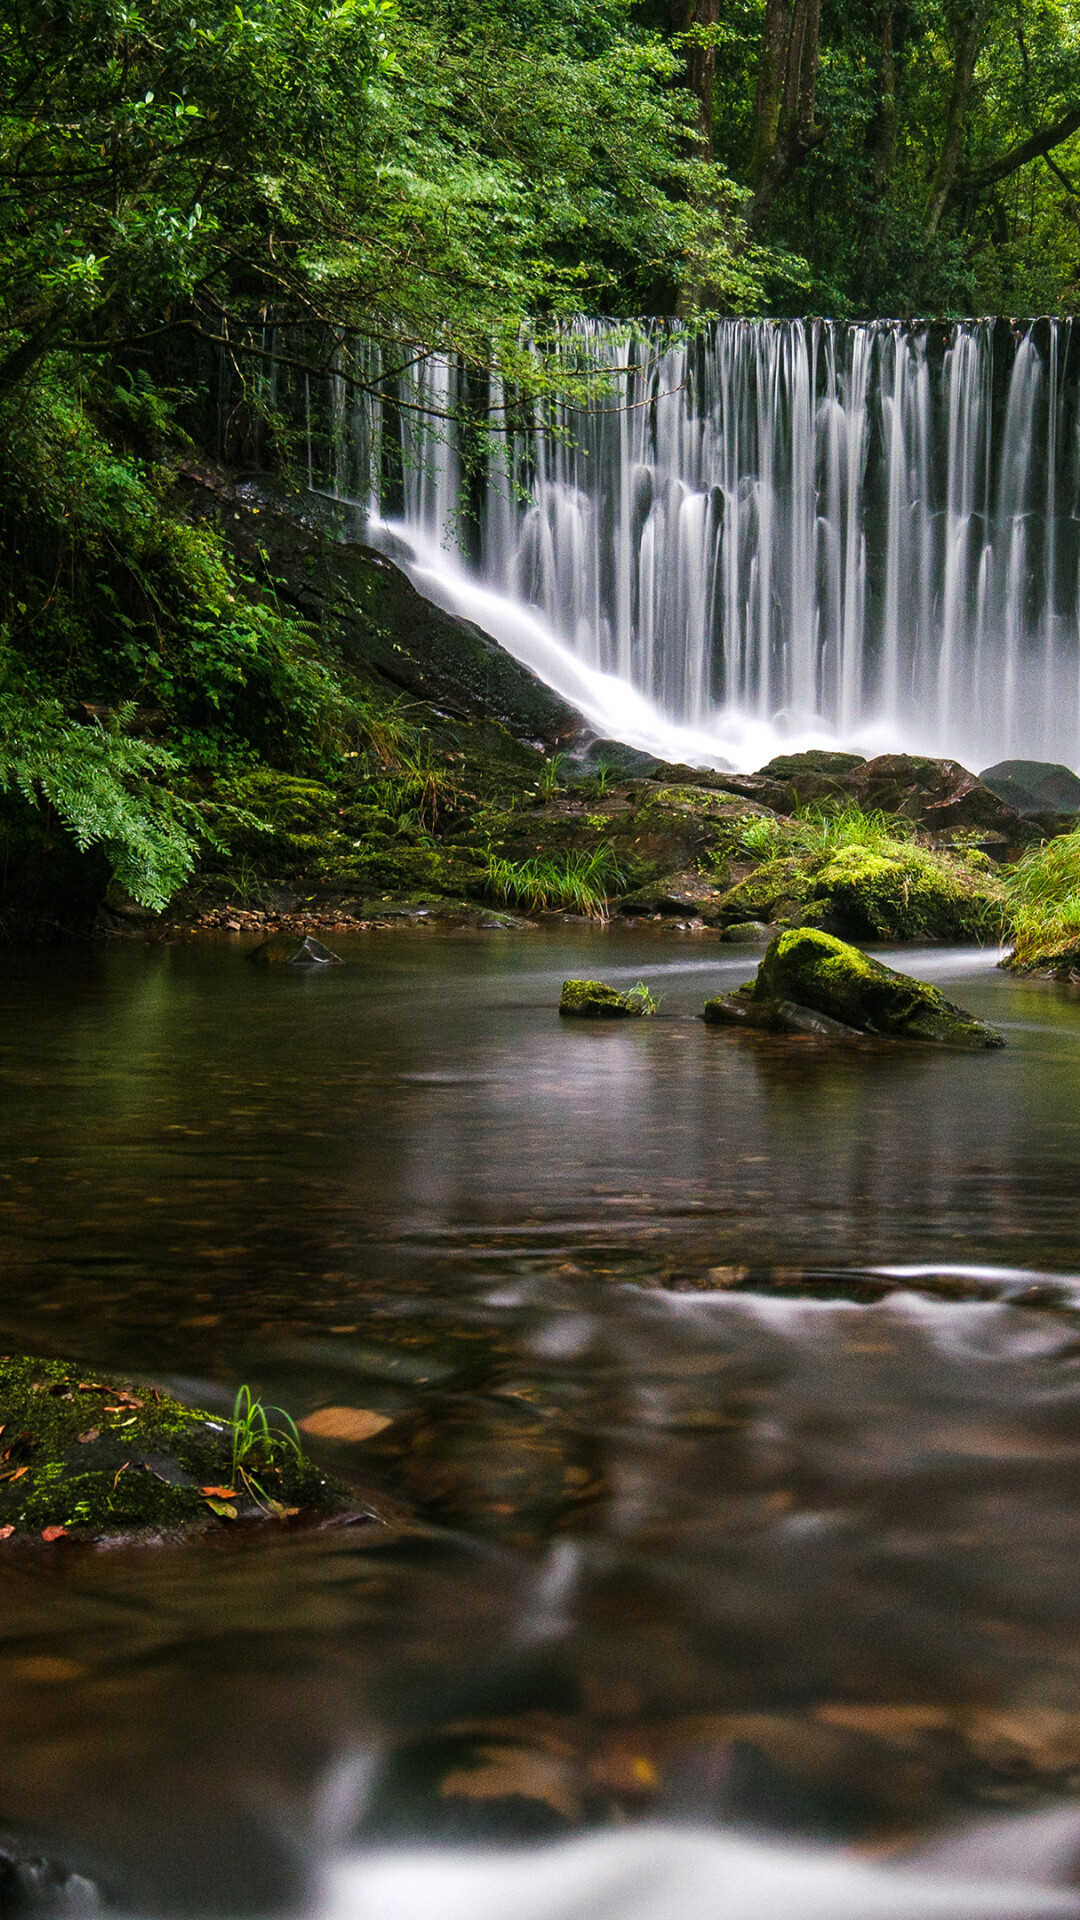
(592, 1000)
(807, 977)
(749, 933)
(285, 950)
(87, 1458)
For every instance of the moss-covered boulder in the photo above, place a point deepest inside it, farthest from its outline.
(900, 891)
(806, 971)
(592, 1000)
(93, 1459)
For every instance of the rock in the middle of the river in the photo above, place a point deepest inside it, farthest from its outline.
(809, 982)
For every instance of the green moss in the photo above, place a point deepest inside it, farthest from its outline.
(906, 893)
(592, 1000)
(812, 969)
(102, 1458)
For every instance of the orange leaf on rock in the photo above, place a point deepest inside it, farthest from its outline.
(344, 1423)
(219, 1493)
(53, 1533)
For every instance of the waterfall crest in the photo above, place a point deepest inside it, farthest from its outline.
(775, 532)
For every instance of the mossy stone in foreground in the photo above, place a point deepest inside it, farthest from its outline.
(804, 970)
(591, 1000)
(88, 1457)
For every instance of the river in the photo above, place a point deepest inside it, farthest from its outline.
(734, 1458)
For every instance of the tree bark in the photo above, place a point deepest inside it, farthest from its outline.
(968, 23)
(700, 58)
(785, 134)
(1035, 148)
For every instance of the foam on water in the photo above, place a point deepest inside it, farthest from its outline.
(658, 1873)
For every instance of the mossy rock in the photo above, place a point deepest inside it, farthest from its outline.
(806, 970)
(910, 895)
(592, 1000)
(100, 1459)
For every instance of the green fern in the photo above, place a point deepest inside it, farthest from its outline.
(105, 787)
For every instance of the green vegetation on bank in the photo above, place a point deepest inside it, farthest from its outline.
(1044, 890)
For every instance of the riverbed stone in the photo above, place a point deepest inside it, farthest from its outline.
(805, 969)
(286, 950)
(592, 1000)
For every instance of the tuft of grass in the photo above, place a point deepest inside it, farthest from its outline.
(646, 1003)
(255, 1441)
(819, 832)
(579, 881)
(826, 830)
(551, 778)
(1044, 890)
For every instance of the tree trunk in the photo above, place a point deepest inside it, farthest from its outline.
(700, 61)
(968, 23)
(784, 133)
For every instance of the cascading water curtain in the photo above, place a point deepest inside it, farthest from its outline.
(865, 530)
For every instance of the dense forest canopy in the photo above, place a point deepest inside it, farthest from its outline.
(204, 184)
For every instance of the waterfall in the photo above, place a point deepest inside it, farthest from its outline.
(773, 533)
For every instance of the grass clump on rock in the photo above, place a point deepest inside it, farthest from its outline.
(592, 1000)
(862, 876)
(96, 1460)
(808, 981)
(1045, 891)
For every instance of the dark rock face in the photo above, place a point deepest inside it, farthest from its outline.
(809, 973)
(285, 950)
(592, 1000)
(1034, 786)
(940, 794)
(676, 895)
(375, 614)
(793, 766)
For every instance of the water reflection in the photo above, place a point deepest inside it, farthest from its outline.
(735, 1442)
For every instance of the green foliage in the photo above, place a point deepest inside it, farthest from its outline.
(255, 1443)
(578, 881)
(105, 787)
(642, 1000)
(1044, 890)
(551, 777)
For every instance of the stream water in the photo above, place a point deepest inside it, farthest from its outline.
(734, 1462)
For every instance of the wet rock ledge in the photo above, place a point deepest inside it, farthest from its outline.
(83, 1457)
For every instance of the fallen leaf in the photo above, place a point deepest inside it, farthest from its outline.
(223, 1508)
(6, 1533)
(119, 1471)
(92, 1433)
(219, 1493)
(344, 1423)
(46, 1669)
(52, 1533)
(93, 1386)
(281, 1512)
(16, 1473)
